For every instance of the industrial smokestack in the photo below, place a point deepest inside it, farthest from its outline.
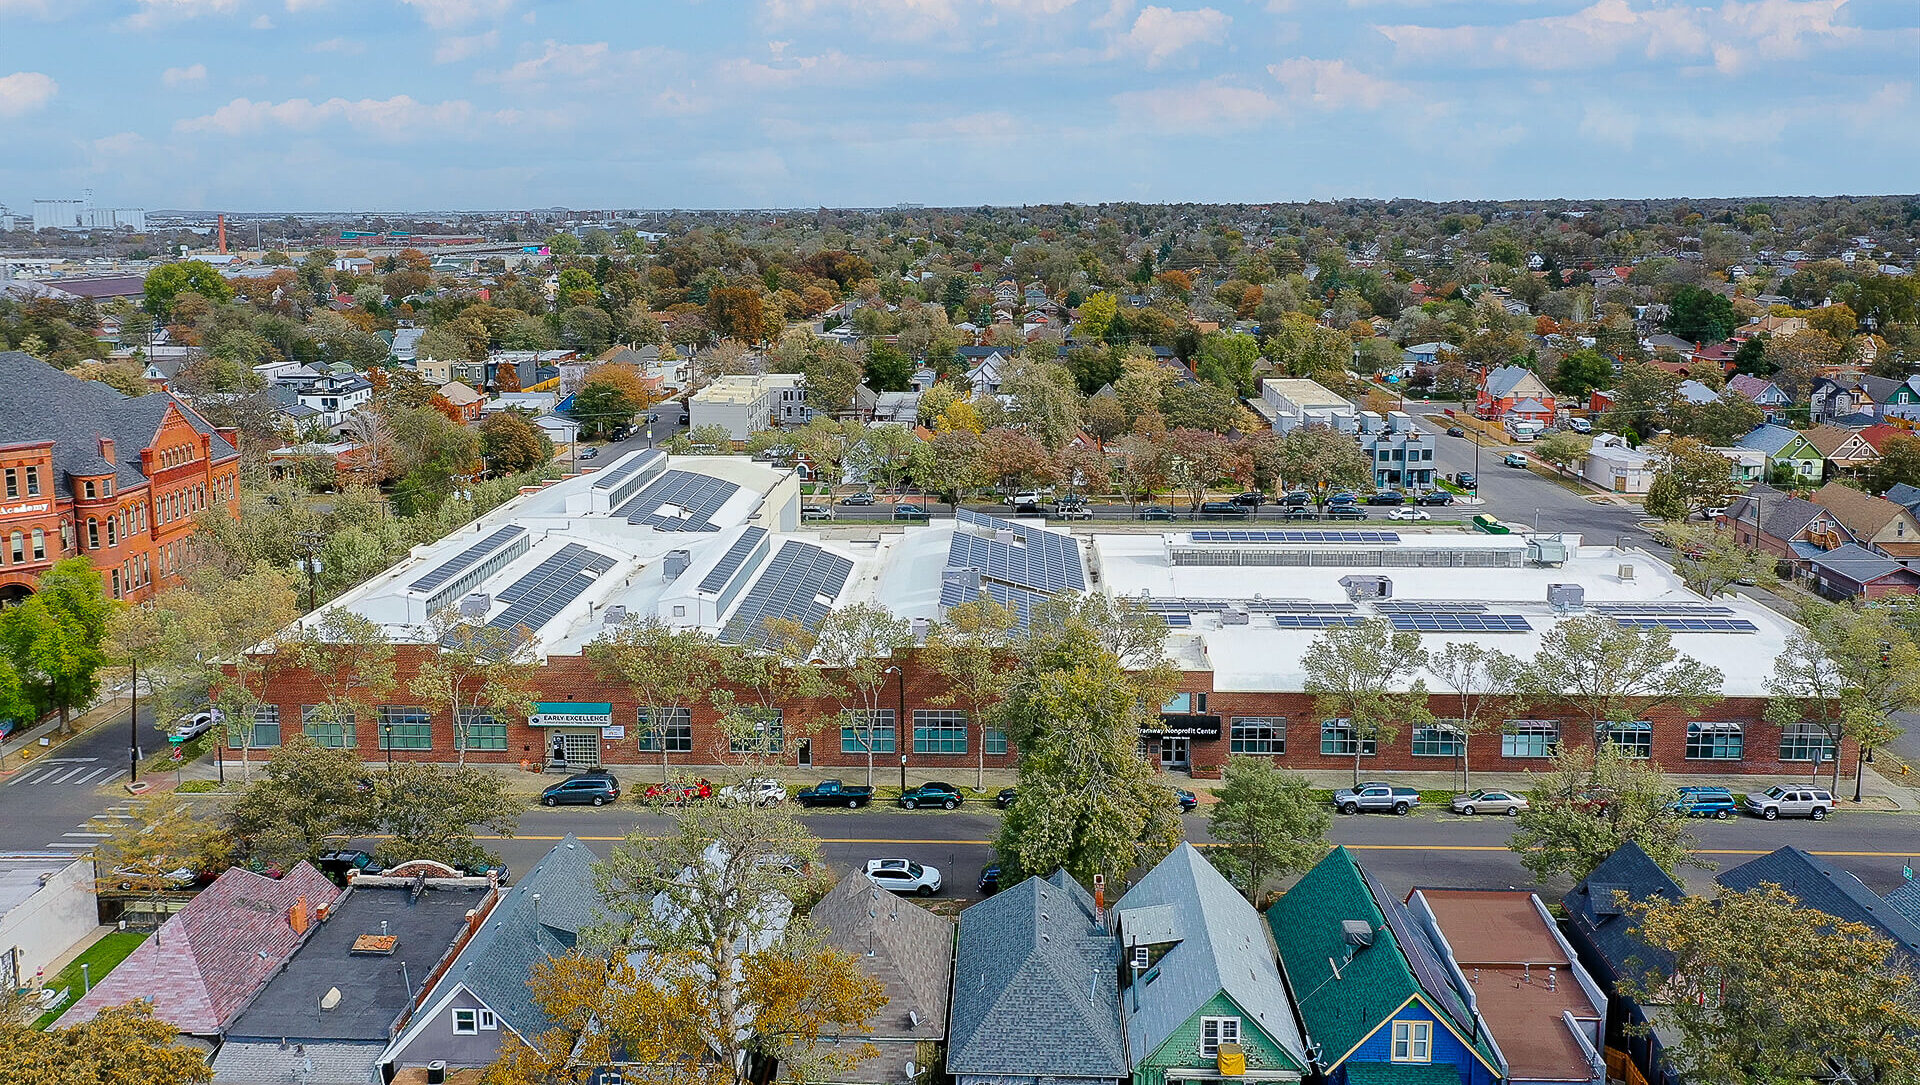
(220, 221)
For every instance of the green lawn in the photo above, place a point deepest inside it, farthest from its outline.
(101, 958)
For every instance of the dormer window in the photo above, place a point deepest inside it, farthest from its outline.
(86, 488)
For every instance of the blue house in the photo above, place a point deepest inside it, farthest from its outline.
(1380, 1002)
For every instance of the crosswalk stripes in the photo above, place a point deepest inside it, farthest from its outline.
(68, 771)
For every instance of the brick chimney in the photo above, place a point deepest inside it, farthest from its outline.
(106, 450)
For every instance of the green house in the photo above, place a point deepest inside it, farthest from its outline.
(1201, 995)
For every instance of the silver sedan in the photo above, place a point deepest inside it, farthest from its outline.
(1487, 801)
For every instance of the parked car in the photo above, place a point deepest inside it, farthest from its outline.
(1489, 801)
(1346, 512)
(758, 791)
(1409, 512)
(1468, 479)
(1073, 512)
(176, 881)
(1187, 799)
(911, 512)
(1790, 802)
(1580, 425)
(989, 881)
(1514, 459)
(834, 793)
(1155, 512)
(816, 512)
(1594, 800)
(1344, 497)
(1704, 802)
(904, 876)
(1006, 797)
(1375, 796)
(1024, 497)
(678, 794)
(1301, 512)
(1296, 498)
(862, 498)
(945, 796)
(1434, 497)
(337, 865)
(1252, 499)
(1456, 431)
(1387, 497)
(589, 453)
(1217, 510)
(196, 723)
(582, 788)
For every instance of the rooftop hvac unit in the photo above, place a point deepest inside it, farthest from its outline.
(1357, 933)
(1546, 551)
(1368, 587)
(965, 576)
(1566, 596)
(1234, 616)
(1626, 572)
(921, 627)
(476, 605)
(1010, 538)
(615, 615)
(676, 563)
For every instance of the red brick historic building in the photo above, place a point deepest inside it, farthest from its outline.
(87, 470)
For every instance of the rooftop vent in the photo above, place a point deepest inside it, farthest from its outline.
(476, 605)
(1566, 596)
(1368, 587)
(1234, 616)
(375, 945)
(676, 563)
(1625, 572)
(615, 615)
(1357, 933)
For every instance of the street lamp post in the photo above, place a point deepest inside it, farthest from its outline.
(387, 730)
(133, 726)
(900, 721)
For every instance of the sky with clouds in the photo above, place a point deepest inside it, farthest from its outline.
(406, 104)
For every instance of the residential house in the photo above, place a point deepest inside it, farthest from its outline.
(1514, 390)
(334, 461)
(1697, 394)
(1761, 392)
(1844, 450)
(1601, 930)
(1293, 402)
(1788, 449)
(1424, 354)
(747, 403)
(1771, 325)
(1874, 522)
(1905, 899)
(334, 398)
(1402, 453)
(1829, 398)
(984, 367)
(1612, 463)
(1820, 885)
(46, 906)
(467, 1011)
(897, 407)
(328, 1015)
(1201, 997)
(1905, 496)
(1378, 1001)
(405, 344)
(1787, 527)
(909, 949)
(1668, 342)
(1545, 1015)
(1034, 997)
(204, 965)
(1889, 398)
(466, 403)
(1855, 572)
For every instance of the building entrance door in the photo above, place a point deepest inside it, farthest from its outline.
(1174, 752)
(582, 749)
(806, 753)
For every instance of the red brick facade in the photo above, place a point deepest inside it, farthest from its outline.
(572, 679)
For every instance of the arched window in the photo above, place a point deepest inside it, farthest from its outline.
(39, 544)
(93, 533)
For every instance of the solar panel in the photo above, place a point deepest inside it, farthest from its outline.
(1429, 606)
(611, 478)
(800, 583)
(679, 501)
(1315, 621)
(1455, 622)
(467, 558)
(1677, 609)
(1044, 561)
(1177, 605)
(1019, 600)
(754, 538)
(1178, 621)
(534, 599)
(1420, 953)
(1676, 624)
(1277, 535)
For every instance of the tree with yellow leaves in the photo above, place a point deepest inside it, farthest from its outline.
(121, 1044)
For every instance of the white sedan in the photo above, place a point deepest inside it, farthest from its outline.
(758, 791)
(196, 723)
(1409, 512)
(904, 876)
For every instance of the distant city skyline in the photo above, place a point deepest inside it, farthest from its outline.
(331, 105)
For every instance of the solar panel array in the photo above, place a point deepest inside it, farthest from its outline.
(1457, 622)
(800, 583)
(535, 598)
(1677, 624)
(1429, 606)
(467, 558)
(1289, 536)
(1251, 606)
(619, 481)
(754, 538)
(1676, 609)
(1421, 954)
(1316, 621)
(1178, 621)
(697, 497)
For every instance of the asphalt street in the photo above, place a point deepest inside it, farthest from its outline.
(50, 804)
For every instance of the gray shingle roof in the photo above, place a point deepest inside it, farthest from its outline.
(1820, 885)
(1591, 909)
(1503, 380)
(904, 946)
(1782, 515)
(39, 403)
(1857, 563)
(267, 1063)
(1034, 992)
(518, 934)
(1221, 946)
(1767, 438)
(1906, 900)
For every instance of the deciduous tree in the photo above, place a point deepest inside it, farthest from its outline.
(430, 811)
(510, 444)
(1847, 670)
(1366, 676)
(1612, 673)
(970, 649)
(120, 1044)
(1480, 681)
(669, 671)
(483, 674)
(1591, 801)
(858, 646)
(1268, 822)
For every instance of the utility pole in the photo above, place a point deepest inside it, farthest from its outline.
(133, 726)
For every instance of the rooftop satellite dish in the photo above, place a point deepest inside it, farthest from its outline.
(331, 999)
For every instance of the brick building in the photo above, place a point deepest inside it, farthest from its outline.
(88, 470)
(711, 542)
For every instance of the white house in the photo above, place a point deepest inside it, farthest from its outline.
(744, 404)
(1294, 402)
(1610, 463)
(335, 397)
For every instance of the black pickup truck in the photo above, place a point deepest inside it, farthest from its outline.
(834, 793)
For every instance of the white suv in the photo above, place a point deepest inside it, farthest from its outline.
(1792, 802)
(904, 876)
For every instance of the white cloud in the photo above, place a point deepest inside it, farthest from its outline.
(1213, 107)
(398, 117)
(451, 50)
(23, 92)
(911, 19)
(832, 69)
(1159, 34)
(1774, 29)
(342, 46)
(262, 22)
(297, 6)
(25, 7)
(153, 12)
(180, 77)
(441, 14)
(559, 60)
(1333, 84)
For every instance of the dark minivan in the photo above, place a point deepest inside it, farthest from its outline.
(582, 789)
